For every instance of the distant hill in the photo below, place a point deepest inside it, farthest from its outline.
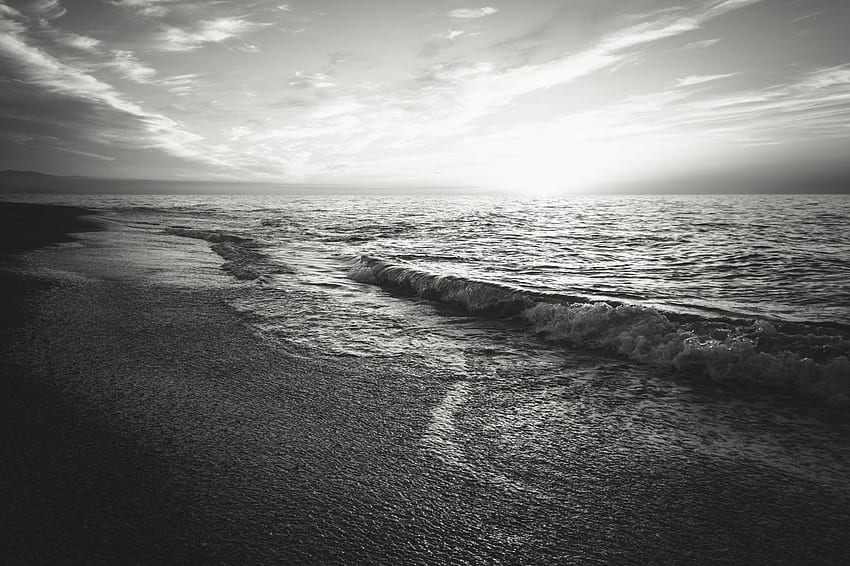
(17, 182)
(23, 182)
(12, 182)
(11, 173)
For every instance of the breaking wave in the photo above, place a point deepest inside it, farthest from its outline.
(805, 358)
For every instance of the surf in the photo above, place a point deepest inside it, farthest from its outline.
(808, 359)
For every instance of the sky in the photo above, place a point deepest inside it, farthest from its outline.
(539, 95)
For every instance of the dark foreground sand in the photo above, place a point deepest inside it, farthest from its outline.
(145, 423)
(28, 226)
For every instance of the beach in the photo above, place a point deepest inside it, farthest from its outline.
(135, 415)
(146, 420)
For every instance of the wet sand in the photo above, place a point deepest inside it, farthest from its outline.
(145, 422)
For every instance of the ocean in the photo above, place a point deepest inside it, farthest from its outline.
(732, 289)
(700, 344)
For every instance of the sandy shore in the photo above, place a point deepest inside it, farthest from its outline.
(143, 421)
(146, 423)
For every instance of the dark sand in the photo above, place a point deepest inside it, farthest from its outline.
(29, 226)
(148, 424)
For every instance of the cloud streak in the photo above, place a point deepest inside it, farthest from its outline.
(472, 13)
(692, 80)
(205, 32)
(149, 8)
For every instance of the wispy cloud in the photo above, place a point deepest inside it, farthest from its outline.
(828, 77)
(817, 103)
(9, 12)
(815, 106)
(472, 13)
(704, 44)
(451, 34)
(179, 85)
(85, 153)
(686, 129)
(150, 8)
(481, 93)
(444, 100)
(80, 42)
(692, 80)
(130, 68)
(808, 16)
(208, 31)
(109, 117)
(303, 80)
(48, 9)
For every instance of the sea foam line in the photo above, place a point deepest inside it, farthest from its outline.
(241, 255)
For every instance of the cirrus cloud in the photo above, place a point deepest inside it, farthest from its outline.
(472, 13)
(207, 31)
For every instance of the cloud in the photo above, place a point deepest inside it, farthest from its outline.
(150, 8)
(838, 76)
(472, 13)
(208, 31)
(85, 153)
(48, 9)
(443, 101)
(324, 78)
(80, 42)
(130, 68)
(303, 80)
(9, 12)
(692, 80)
(483, 93)
(687, 131)
(327, 123)
(807, 17)
(179, 85)
(451, 34)
(816, 105)
(704, 44)
(84, 107)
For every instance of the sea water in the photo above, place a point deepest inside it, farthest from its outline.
(746, 289)
(674, 367)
